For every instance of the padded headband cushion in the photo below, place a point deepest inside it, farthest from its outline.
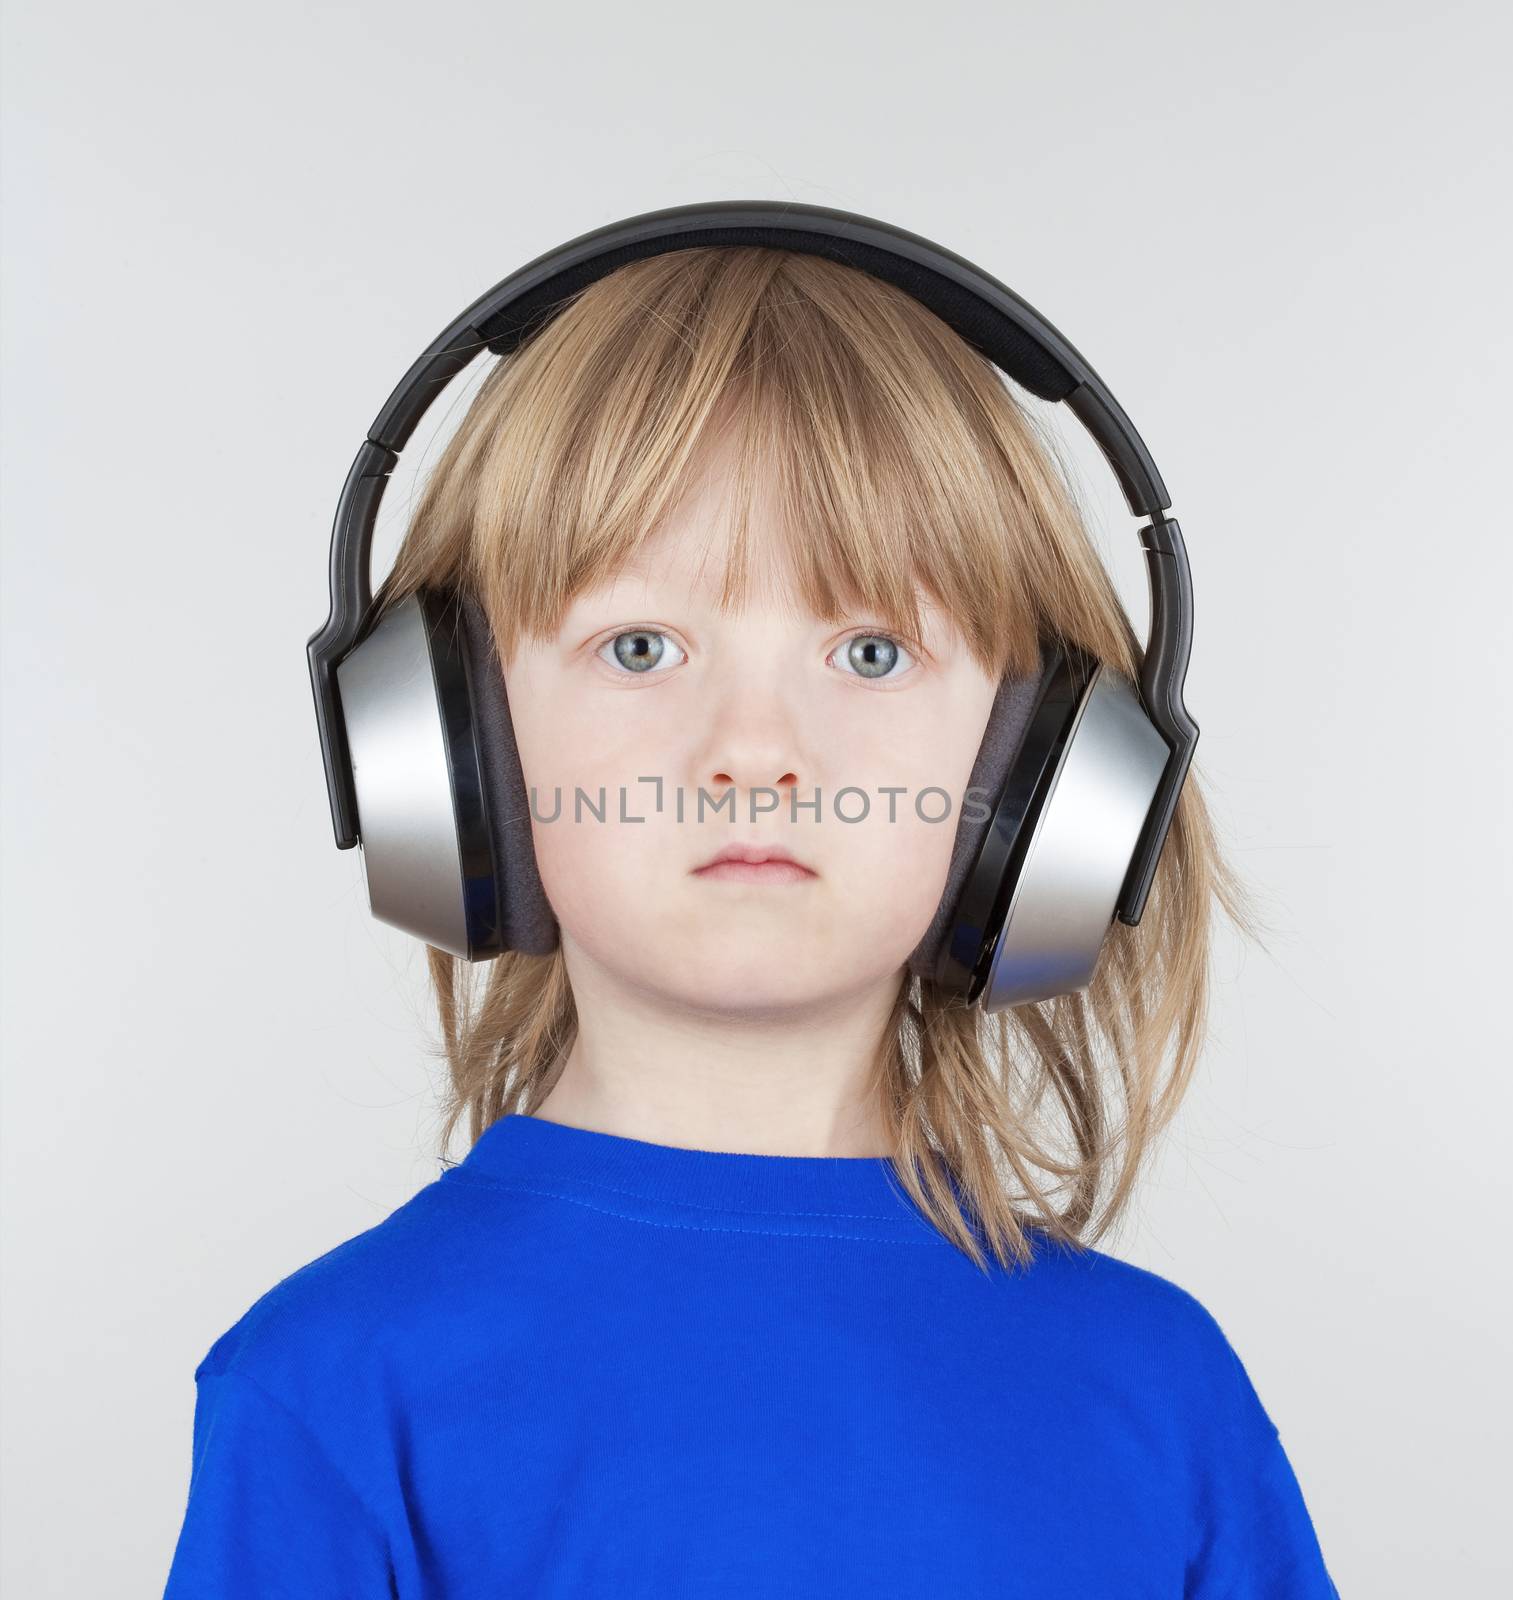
(530, 925)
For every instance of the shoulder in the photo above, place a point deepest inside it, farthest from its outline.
(1155, 1330)
(347, 1310)
(1082, 1277)
(1182, 1393)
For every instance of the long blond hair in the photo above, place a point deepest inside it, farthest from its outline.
(900, 457)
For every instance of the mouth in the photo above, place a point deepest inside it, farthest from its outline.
(745, 863)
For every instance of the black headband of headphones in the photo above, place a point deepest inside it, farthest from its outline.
(988, 316)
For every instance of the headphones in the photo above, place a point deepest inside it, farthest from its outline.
(1083, 768)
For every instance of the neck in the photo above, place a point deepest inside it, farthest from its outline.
(775, 1080)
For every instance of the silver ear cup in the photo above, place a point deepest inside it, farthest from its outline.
(1081, 843)
(422, 830)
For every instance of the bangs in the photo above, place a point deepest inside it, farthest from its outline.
(869, 451)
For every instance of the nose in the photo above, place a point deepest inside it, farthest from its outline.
(728, 780)
(753, 739)
(754, 761)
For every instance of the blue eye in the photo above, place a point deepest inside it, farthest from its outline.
(639, 650)
(872, 655)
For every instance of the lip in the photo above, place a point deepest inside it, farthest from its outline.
(755, 863)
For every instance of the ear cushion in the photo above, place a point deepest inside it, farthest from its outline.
(1008, 719)
(527, 921)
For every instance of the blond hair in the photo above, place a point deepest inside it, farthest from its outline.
(899, 457)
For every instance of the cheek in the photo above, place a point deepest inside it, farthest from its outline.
(896, 869)
(589, 867)
(930, 763)
(621, 888)
(890, 874)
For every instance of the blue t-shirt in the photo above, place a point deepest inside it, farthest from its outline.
(581, 1365)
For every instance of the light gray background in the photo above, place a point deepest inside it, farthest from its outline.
(1279, 232)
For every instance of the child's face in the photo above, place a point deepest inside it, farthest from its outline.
(776, 703)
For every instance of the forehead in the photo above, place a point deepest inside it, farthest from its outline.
(687, 562)
(697, 548)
